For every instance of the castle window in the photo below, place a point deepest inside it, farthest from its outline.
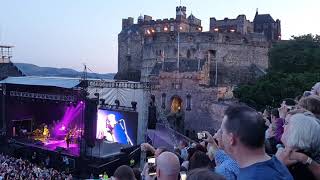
(172, 37)
(188, 102)
(171, 28)
(163, 100)
(227, 39)
(245, 40)
(211, 38)
(188, 54)
(212, 53)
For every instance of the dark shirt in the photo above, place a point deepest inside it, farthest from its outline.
(271, 169)
(279, 129)
(301, 171)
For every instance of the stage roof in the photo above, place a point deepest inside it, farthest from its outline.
(43, 81)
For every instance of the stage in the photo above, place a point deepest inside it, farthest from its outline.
(58, 146)
(43, 114)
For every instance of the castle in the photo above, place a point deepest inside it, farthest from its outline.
(192, 70)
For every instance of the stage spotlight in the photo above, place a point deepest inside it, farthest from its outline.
(134, 105)
(81, 102)
(117, 102)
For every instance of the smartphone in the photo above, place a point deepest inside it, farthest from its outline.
(201, 135)
(183, 175)
(152, 170)
(152, 160)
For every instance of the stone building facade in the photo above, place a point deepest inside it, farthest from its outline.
(262, 23)
(192, 72)
(240, 25)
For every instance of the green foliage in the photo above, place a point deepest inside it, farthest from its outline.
(301, 54)
(295, 68)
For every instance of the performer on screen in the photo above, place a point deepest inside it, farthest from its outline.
(110, 124)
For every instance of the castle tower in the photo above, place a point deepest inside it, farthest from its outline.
(264, 23)
(181, 13)
(140, 19)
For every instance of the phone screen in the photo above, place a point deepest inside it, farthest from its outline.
(183, 175)
(151, 160)
(201, 135)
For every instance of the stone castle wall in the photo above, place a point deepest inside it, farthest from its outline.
(230, 52)
(206, 112)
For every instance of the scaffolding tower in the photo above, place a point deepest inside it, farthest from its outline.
(5, 53)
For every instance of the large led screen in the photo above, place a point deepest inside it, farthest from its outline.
(117, 126)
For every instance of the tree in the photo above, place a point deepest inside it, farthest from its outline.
(294, 68)
(300, 54)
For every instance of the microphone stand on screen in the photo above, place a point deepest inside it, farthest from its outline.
(123, 126)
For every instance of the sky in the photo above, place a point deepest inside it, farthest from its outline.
(69, 33)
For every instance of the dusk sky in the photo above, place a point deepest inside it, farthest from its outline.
(68, 33)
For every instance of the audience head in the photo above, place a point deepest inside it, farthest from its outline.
(306, 94)
(288, 102)
(311, 103)
(201, 148)
(168, 166)
(124, 172)
(242, 127)
(199, 160)
(137, 173)
(177, 151)
(191, 151)
(298, 111)
(315, 90)
(159, 151)
(274, 114)
(266, 113)
(183, 144)
(301, 132)
(203, 174)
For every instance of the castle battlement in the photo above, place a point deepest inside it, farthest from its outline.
(251, 39)
(180, 23)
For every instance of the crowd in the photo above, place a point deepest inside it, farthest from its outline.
(18, 169)
(280, 143)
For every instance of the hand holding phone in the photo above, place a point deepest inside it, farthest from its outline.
(152, 160)
(152, 171)
(201, 135)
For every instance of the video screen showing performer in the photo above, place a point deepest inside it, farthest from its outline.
(117, 126)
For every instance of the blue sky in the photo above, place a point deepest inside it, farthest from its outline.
(68, 33)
